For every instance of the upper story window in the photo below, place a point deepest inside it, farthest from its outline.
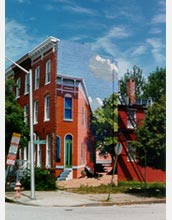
(26, 111)
(26, 83)
(18, 87)
(47, 108)
(131, 119)
(47, 72)
(35, 111)
(68, 108)
(83, 116)
(37, 77)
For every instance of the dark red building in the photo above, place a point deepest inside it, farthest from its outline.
(131, 113)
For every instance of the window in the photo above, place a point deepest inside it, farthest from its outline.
(68, 108)
(26, 91)
(57, 149)
(82, 115)
(39, 154)
(48, 151)
(26, 110)
(18, 86)
(37, 77)
(131, 121)
(47, 73)
(82, 153)
(131, 152)
(35, 120)
(68, 151)
(47, 108)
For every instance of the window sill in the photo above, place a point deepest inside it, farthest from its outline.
(46, 83)
(48, 119)
(67, 119)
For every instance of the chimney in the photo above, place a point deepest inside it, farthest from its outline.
(130, 84)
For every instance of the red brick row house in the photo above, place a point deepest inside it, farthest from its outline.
(61, 112)
(131, 112)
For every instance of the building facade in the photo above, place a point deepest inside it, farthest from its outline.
(131, 113)
(61, 112)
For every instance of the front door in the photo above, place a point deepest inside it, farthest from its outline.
(68, 151)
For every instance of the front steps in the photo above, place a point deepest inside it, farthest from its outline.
(65, 175)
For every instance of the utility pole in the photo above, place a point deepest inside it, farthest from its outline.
(31, 127)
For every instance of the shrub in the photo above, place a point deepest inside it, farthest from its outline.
(43, 180)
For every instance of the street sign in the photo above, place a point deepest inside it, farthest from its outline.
(118, 149)
(11, 157)
(39, 142)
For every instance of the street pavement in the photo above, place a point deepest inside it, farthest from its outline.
(62, 198)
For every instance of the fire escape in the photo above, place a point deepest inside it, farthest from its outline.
(123, 133)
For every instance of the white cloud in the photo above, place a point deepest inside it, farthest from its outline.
(95, 103)
(107, 43)
(157, 19)
(139, 50)
(78, 9)
(156, 50)
(155, 31)
(124, 64)
(23, 1)
(103, 68)
(119, 32)
(99, 101)
(18, 40)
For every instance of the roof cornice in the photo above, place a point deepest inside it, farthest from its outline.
(49, 43)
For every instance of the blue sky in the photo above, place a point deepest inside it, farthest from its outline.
(129, 32)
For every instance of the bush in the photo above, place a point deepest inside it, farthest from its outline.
(43, 180)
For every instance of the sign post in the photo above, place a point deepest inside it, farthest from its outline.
(118, 150)
(12, 154)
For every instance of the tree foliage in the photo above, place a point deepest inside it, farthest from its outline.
(150, 144)
(14, 119)
(151, 138)
(156, 85)
(105, 124)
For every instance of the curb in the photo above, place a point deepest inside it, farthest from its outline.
(94, 204)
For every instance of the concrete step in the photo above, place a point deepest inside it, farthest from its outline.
(64, 175)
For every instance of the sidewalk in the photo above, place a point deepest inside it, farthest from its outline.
(61, 198)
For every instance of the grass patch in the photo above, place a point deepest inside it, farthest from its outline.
(148, 190)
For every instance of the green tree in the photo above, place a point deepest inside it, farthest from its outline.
(151, 138)
(137, 75)
(105, 125)
(156, 84)
(14, 119)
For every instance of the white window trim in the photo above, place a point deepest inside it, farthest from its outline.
(26, 84)
(46, 107)
(48, 72)
(48, 151)
(83, 116)
(68, 119)
(35, 112)
(26, 110)
(39, 154)
(37, 77)
(18, 86)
